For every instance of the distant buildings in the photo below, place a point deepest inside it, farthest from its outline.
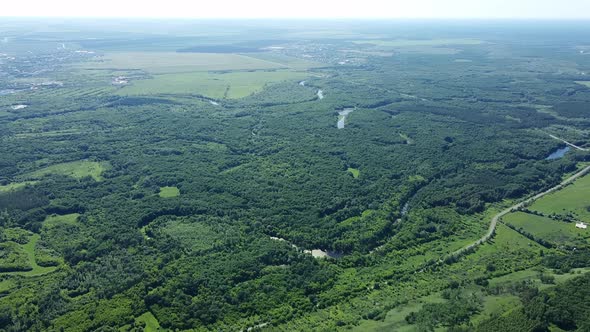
(581, 225)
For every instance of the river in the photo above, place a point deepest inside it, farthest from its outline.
(559, 153)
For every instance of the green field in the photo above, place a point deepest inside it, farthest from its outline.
(191, 234)
(584, 83)
(75, 169)
(55, 220)
(16, 185)
(167, 192)
(354, 171)
(554, 231)
(574, 199)
(212, 85)
(171, 62)
(151, 323)
(291, 62)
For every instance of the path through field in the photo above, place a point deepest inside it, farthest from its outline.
(497, 217)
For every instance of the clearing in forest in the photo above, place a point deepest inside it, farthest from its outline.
(75, 169)
(167, 192)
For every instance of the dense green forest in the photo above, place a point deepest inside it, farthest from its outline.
(187, 183)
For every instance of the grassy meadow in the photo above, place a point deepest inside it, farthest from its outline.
(574, 199)
(75, 169)
(172, 62)
(168, 192)
(230, 85)
(554, 231)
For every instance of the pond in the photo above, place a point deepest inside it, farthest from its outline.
(559, 153)
(342, 117)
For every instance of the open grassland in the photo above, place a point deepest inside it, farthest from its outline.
(191, 234)
(355, 172)
(288, 61)
(16, 185)
(56, 220)
(167, 192)
(75, 169)
(151, 323)
(554, 231)
(171, 62)
(420, 42)
(574, 199)
(212, 85)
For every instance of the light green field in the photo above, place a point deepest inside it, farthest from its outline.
(66, 219)
(191, 234)
(151, 323)
(545, 228)
(75, 169)
(584, 83)
(420, 42)
(16, 185)
(167, 192)
(532, 275)
(172, 62)
(574, 198)
(147, 318)
(395, 320)
(291, 62)
(355, 172)
(494, 305)
(212, 85)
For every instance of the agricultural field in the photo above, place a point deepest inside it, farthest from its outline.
(169, 62)
(230, 85)
(572, 201)
(554, 231)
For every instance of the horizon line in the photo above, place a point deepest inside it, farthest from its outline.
(366, 18)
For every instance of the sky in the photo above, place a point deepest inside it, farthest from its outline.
(438, 9)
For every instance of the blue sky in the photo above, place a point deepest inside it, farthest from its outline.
(531, 9)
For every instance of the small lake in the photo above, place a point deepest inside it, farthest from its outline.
(559, 153)
(342, 115)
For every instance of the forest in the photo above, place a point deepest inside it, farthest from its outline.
(174, 182)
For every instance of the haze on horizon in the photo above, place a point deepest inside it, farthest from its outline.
(401, 9)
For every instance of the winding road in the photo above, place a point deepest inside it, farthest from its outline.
(497, 217)
(568, 143)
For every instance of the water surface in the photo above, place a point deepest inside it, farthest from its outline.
(559, 153)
